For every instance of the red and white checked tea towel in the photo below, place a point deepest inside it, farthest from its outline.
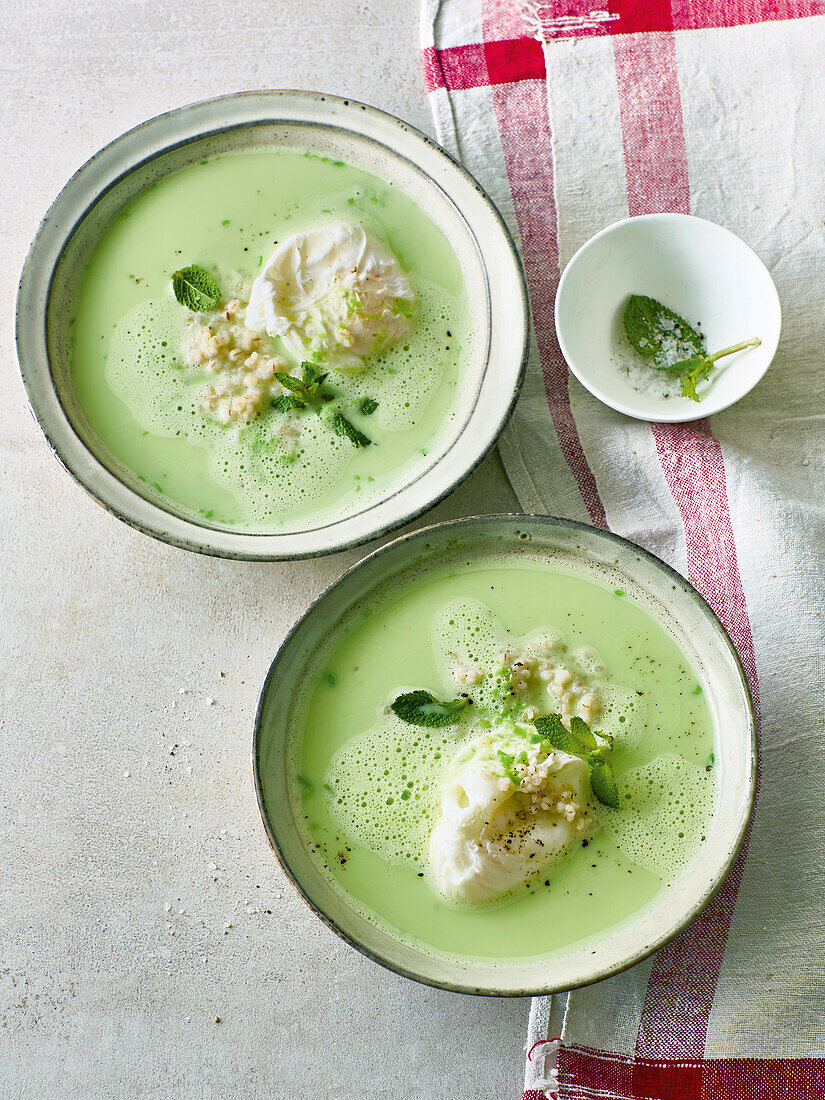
(572, 119)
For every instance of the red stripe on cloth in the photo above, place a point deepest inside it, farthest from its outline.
(507, 60)
(688, 15)
(769, 1079)
(456, 68)
(694, 467)
(610, 1075)
(682, 984)
(479, 64)
(683, 981)
(514, 59)
(508, 20)
(524, 125)
(577, 19)
(652, 132)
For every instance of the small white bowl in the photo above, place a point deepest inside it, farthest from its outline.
(698, 269)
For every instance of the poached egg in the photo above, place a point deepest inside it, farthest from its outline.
(334, 291)
(491, 837)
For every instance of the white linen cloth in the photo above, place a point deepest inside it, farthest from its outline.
(717, 111)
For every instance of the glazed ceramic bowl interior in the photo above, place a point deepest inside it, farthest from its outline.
(697, 268)
(341, 129)
(645, 579)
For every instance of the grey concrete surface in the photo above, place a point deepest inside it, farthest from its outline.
(129, 835)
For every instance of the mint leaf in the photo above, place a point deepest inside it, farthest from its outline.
(342, 426)
(311, 376)
(286, 402)
(554, 733)
(603, 782)
(309, 389)
(694, 370)
(290, 383)
(658, 333)
(367, 406)
(419, 708)
(579, 741)
(581, 731)
(694, 376)
(196, 289)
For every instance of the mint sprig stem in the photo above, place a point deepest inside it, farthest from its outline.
(754, 342)
(699, 366)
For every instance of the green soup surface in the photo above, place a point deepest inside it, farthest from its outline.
(282, 470)
(368, 785)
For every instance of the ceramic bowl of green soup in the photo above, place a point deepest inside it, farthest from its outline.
(507, 755)
(271, 325)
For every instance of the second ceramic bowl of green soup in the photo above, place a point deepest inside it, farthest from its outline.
(271, 325)
(506, 755)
